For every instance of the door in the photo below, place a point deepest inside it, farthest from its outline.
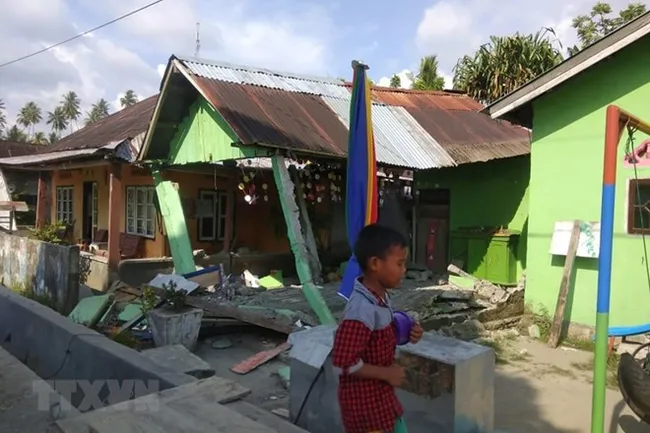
(432, 230)
(89, 211)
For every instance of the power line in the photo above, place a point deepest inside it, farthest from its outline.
(147, 6)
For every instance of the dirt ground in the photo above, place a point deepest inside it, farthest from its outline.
(537, 389)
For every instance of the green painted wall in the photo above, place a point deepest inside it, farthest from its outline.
(566, 180)
(486, 194)
(204, 136)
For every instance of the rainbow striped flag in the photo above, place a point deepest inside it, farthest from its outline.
(361, 189)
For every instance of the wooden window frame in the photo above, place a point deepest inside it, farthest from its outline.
(631, 201)
(220, 206)
(59, 211)
(135, 218)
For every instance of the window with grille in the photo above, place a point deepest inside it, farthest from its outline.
(638, 221)
(64, 212)
(211, 217)
(140, 211)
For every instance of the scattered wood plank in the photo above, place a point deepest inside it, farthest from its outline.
(558, 317)
(250, 364)
(101, 311)
(276, 324)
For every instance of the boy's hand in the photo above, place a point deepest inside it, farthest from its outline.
(416, 333)
(395, 375)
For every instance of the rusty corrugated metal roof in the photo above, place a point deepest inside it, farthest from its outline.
(10, 149)
(398, 139)
(277, 118)
(125, 124)
(419, 98)
(471, 136)
(263, 77)
(286, 110)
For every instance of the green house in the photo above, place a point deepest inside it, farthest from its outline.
(565, 108)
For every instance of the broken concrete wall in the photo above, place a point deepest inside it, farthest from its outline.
(55, 348)
(44, 269)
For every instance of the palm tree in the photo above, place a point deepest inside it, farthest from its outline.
(29, 116)
(3, 116)
(98, 111)
(57, 119)
(504, 64)
(39, 138)
(70, 105)
(129, 98)
(16, 134)
(53, 137)
(395, 81)
(427, 77)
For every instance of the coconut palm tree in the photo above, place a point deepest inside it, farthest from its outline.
(395, 81)
(98, 111)
(16, 134)
(57, 119)
(129, 98)
(504, 64)
(70, 105)
(39, 138)
(29, 116)
(52, 138)
(427, 77)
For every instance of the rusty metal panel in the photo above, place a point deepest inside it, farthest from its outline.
(264, 78)
(418, 98)
(277, 118)
(117, 127)
(397, 140)
(470, 136)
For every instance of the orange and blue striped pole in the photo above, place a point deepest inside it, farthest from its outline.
(612, 137)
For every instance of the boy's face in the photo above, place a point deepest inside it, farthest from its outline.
(390, 270)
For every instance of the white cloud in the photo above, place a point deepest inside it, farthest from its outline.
(453, 28)
(132, 54)
(404, 77)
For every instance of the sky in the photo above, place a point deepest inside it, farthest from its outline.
(315, 37)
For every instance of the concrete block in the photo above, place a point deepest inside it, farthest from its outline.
(169, 327)
(449, 386)
(177, 358)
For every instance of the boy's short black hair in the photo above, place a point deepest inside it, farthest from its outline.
(374, 241)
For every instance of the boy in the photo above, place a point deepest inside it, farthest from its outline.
(364, 345)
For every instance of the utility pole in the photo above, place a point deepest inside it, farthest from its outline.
(198, 40)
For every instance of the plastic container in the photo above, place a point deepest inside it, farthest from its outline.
(403, 323)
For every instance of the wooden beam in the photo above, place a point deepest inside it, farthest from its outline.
(298, 245)
(115, 212)
(171, 210)
(42, 214)
(558, 318)
(310, 240)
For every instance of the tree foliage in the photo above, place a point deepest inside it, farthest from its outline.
(504, 64)
(600, 22)
(428, 77)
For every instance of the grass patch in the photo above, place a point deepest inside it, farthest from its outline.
(612, 369)
(25, 289)
(500, 347)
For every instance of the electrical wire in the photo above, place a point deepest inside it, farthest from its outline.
(35, 53)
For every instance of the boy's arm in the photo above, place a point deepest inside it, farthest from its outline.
(350, 341)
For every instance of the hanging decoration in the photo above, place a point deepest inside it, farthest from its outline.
(393, 180)
(322, 182)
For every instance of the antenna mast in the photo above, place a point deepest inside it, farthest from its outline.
(198, 40)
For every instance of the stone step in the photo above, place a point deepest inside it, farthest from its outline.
(264, 417)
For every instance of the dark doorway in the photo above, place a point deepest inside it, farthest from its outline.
(90, 211)
(432, 229)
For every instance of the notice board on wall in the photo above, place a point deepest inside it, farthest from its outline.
(588, 245)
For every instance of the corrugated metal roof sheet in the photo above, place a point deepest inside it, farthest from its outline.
(470, 136)
(419, 98)
(264, 78)
(398, 142)
(9, 149)
(46, 157)
(277, 118)
(119, 126)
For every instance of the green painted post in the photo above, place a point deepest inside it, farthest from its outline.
(298, 245)
(171, 210)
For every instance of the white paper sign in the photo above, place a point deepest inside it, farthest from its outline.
(588, 245)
